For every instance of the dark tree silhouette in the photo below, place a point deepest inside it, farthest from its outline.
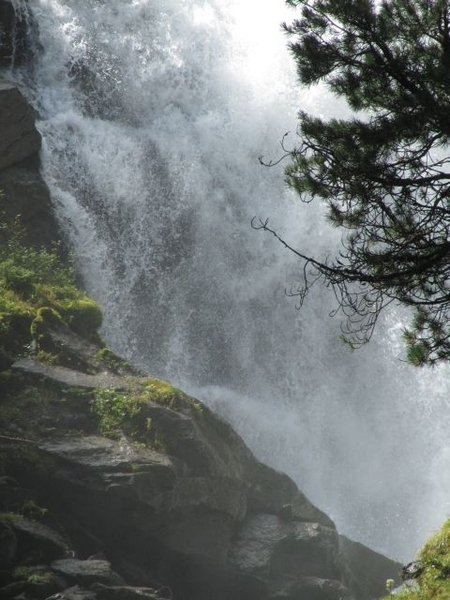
(384, 173)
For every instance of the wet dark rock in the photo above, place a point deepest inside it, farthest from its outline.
(12, 590)
(412, 570)
(74, 593)
(15, 35)
(24, 193)
(364, 570)
(66, 376)
(37, 542)
(104, 592)
(286, 557)
(8, 545)
(196, 513)
(5, 360)
(20, 138)
(38, 582)
(86, 572)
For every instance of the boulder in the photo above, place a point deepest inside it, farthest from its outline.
(36, 542)
(20, 138)
(364, 570)
(286, 559)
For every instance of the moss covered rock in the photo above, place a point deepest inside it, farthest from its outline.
(38, 297)
(428, 578)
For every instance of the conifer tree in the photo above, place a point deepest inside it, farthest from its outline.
(383, 173)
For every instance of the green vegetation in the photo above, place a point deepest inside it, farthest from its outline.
(382, 170)
(163, 392)
(28, 509)
(33, 575)
(36, 292)
(124, 410)
(115, 410)
(433, 580)
(31, 510)
(114, 363)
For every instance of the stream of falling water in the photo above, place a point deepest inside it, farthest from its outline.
(153, 114)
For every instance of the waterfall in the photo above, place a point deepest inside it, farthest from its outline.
(153, 115)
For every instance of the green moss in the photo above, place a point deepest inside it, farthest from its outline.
(115, 410)
(158, 390)
(36, 291)
(198, 407)
(17, 278)
(435, 555)
(10, 516)
(114, 363)
(46, 318)
(82, 314)
(33, 575)
(31, 510)
(124, 411)
(47, 358)
(434, 579)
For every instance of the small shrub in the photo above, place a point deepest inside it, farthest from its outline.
(17, 278)
(114, 410)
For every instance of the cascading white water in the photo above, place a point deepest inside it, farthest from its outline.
(153, 115)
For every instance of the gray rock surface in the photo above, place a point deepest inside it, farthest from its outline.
(364, 570)
(36, 540)
(86, 572)
(104, 592)
(187, 506)
(69, 377)
(288, 557)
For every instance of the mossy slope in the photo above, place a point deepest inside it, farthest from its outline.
(432, 572)
(36, 292)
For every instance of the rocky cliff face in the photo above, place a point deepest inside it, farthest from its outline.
(23, 192)
(116, 485)
(111, 477)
